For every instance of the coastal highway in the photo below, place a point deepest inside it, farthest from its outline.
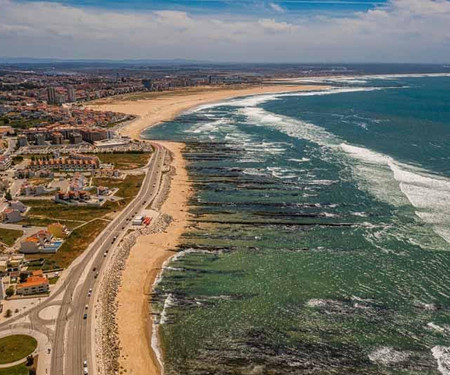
(71, 338)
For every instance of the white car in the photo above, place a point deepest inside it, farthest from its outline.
(85, 364)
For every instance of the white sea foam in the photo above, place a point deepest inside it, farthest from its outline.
(396, 183)
(427, 192)
(209, 127)
(254, 172)
(333, 91)
(254, 100)
(360, 214)
(296, 128)
(168, 302)
(387, 355)
(435, 327)
(365, 78)
(317, 302)
(442, 356)
(302, 160)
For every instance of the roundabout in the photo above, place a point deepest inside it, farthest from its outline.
(16, 348)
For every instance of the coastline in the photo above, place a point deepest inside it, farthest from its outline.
(147, 256)
(169, 105)
(143, 266)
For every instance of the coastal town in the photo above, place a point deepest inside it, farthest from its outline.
(91, 210)
(218, 187)
(83, 197)
(71, 175)
(58, 159)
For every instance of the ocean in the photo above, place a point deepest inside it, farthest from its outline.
(320, 233)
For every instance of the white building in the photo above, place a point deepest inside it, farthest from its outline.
(5, 162)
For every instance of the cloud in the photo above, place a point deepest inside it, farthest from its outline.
(276, 7)
(403, 30)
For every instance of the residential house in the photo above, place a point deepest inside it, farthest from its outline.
(30, 189)
(10, 215)
(40, 242)
(5, 162)
(17, 205)
(35, 284)
(72, 196)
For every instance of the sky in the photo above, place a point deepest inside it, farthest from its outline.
(414, 31)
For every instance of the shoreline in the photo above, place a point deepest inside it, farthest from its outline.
(156, 109)
(138, 354)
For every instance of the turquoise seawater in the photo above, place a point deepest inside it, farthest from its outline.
(319, 241)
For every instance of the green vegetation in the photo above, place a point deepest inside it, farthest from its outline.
(15, 370)
(4, 121)
(20, 124)
(41, 209)
(37, 156)
(8, 196)
(77, 242)
(9, 236)
(126, 160)
(46, 264)
(16, 347)
(9, 292)
(53, 280)
(85, 221)
(128, 188)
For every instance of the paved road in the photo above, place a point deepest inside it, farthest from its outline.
(76, 298)
(71, 338)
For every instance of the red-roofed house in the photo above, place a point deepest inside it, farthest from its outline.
(35, 284)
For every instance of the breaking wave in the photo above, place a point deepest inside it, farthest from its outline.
(387, 179)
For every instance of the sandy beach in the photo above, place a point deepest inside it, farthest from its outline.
(142, 267)
(153, 108)
(150, 252)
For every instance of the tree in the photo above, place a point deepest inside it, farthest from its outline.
(30, 361)
(8, 313)
(8, 196)
(10, 292)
